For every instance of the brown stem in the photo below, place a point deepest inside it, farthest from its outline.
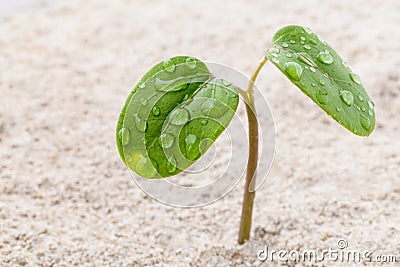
(249, 192)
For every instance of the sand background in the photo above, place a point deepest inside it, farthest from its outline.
(67, 199)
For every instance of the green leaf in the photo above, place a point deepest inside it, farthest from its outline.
(172, 116)
(311, 64)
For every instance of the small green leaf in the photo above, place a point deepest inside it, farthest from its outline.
(172, 116)
(311, 64)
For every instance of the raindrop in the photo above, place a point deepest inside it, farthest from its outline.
(292, 41)
(307, 30)
(285, 45)
(302, 38)
(347, 97)
(293, 70)
(322, 96)
(355, 78)
(191, 62)
(370, 112)
(371, 104)
(304, 59)
(363, 108)
(171, 165)
(312, 69)
(155, 111)
(124, 136)
(325, 57)
(313, 41)
(321, 82)
(180, 116)
(365, 122)
(313, 84)
(204, 122)
(338, 109)
(207, 106)
(143, 101)
(141, 125)
(307, 47)
(191, 150)
(205, 144)
(128, 158)
(142, 85)
(167, 140)
(190, 139)
(141, 163)
(289, 55)
(360, 97)
(168, 65)
(226, 83)
(274, 50)
(274, 55)
(344, 63)
(275, 60)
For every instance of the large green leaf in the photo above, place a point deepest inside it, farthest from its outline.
(311, 64)
(172, 116)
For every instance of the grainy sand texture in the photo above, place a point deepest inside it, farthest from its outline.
(66, 199)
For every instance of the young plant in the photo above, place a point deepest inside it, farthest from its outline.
(178, 109)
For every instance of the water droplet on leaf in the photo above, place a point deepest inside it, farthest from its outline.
(171, 165)
(124, 136)
(325, 57)
(180, 116)
(167, 140)
(307, 47)
(191, 63)
(347, 97)
(275, 60)
(307, 30)
(371, 104)
(322, 96)
(141, 124)
(304, 60)
(365, 122)
(355, 78)
(190, 139)
(155, 111)
(143, 101)
(293, 70)
(274, 50)
(285, 45)
(168, 65)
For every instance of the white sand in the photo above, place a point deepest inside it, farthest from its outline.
(67, 199)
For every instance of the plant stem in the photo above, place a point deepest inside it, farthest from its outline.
(249, 192)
